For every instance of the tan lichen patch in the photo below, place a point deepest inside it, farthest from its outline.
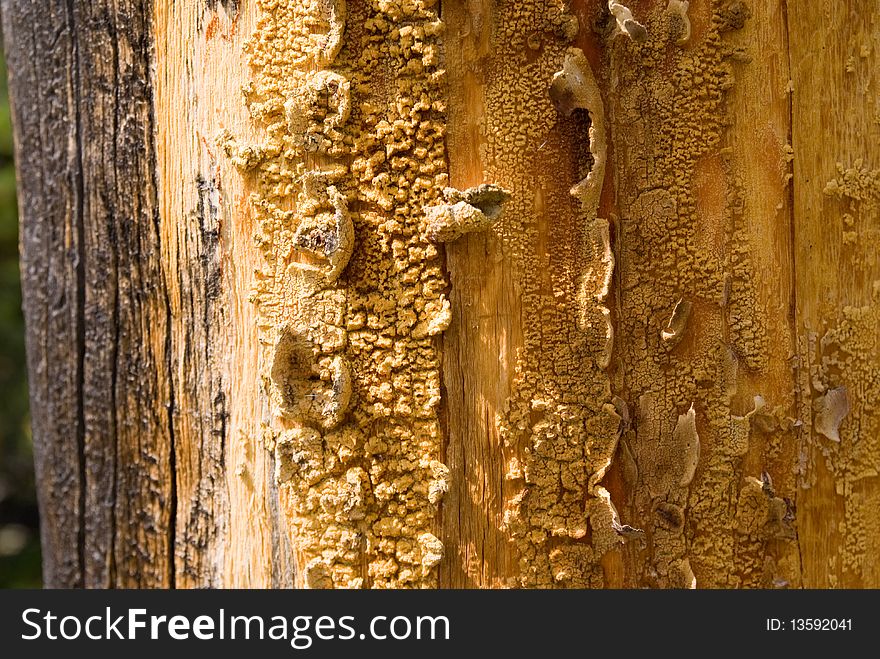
(690, 329)
(733, 15)
(857, 191)
(672, 334)
(310, 387)
(574, 88)
(686, 443)
(762, 514)
(833, 407)
(300, 455)
(350, 100)
(670, 463)
(858, 182)
(559, 427)
(315, 112)
(844, 381)
(327, 236)
(847, 356)
(474, 209)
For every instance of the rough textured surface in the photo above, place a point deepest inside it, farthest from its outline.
(538, 300)
(538, 293)
(691, 331)
(836, 197)
(95, 296)
(352, 294)
(474, 209)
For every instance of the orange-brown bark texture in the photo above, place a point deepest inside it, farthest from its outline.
(511, 294)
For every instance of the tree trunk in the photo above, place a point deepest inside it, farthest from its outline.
(474, 293)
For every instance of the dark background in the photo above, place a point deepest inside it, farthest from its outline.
(19, 524)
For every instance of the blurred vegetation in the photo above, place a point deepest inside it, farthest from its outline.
(19, 524)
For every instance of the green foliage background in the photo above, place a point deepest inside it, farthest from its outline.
(19, 533)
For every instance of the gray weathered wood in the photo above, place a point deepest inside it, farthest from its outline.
(95, 297)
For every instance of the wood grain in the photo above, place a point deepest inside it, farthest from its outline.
(742, 196)
(225, 477)
(834, 54)
(95, 296)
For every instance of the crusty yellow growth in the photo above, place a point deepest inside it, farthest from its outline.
(858, 189)
(574, 88)
(761, 517)
(858, 184)
(675, 328)
(689, 328)
(748, 336)
(559, 426)
(844, 381)
(351, 101)
(474, 209)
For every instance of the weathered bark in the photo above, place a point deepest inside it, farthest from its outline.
(95, 299)
(268, 349)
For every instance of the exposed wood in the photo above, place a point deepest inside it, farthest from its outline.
(268, 347)
(835, 54)
(225, 478)
(524, 376)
